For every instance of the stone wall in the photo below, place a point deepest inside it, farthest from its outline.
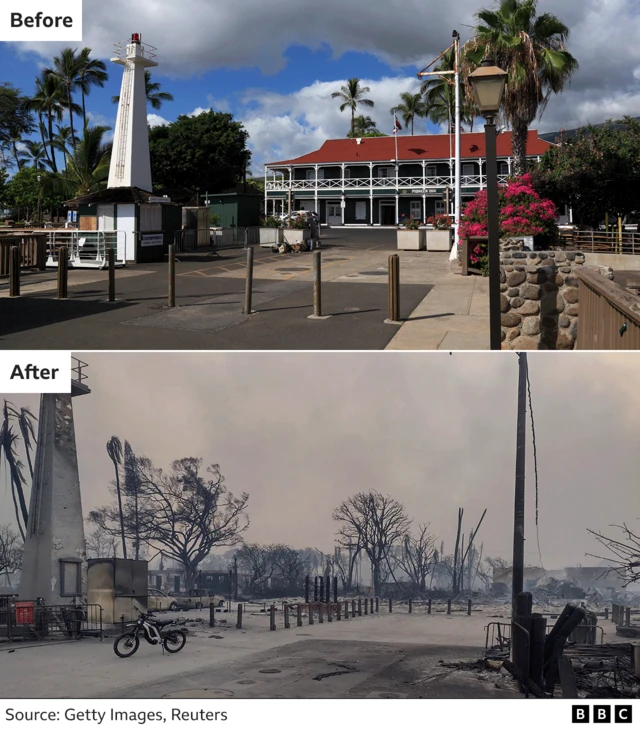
(539, 299)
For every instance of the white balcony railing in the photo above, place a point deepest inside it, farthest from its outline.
(351, 183)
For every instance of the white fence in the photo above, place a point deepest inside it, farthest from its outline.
(87, 248)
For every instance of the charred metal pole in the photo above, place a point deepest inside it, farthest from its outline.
(518, 513)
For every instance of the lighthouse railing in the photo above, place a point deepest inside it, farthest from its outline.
(87, 248)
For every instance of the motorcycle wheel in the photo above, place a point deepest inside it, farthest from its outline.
(174, 642)
(126, 645)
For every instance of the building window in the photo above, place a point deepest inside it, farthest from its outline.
(311, 174)
(468, 170)
(70, 578)
(503, 168)
(361, 211)
(386, 172)
(347, 173)
(432, 171)
(321, 173)
(415, 209)
(441, 207)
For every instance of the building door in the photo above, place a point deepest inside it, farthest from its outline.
(334, 213)
(127, 223)
(106, 217)
(387, 213)
(415, 209)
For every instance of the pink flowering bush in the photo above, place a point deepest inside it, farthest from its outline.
(522, 212)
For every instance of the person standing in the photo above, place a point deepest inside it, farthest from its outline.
(313, 225)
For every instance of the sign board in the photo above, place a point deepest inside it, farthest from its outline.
(72, 216)
(157, 199)
(153, 239)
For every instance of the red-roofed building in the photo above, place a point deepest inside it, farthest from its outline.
(360, 181)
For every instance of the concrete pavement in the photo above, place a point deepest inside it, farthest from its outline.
(441, 310)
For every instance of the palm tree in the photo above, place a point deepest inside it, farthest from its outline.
(114, 451)
(351, 95)
(439, 97)
(50, 102)
(33, 152)
(87, 167)
(155, 97)
(67, 67)
(531, 49)
(412, 106)
(92, 72)
(363, 125)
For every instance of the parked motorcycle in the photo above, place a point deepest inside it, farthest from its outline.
(156, 631)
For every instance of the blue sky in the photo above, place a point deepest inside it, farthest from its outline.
(274, 66)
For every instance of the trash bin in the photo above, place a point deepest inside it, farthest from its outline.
(25, 612)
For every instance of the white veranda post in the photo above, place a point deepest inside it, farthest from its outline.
(458, 186)
(130, 161)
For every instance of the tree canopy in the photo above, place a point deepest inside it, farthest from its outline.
(207, 151)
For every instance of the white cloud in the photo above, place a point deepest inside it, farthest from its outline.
(282, 126)
(155, 120)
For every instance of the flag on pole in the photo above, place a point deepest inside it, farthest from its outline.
(396, 125)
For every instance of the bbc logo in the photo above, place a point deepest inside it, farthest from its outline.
(601, 714)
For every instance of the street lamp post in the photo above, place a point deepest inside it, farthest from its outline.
(488, 82)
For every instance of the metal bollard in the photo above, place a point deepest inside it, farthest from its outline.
(329, 612)
(394, 288)
(111, 259)
(359, 607)
(63, 271)
(172, 275)
(346, 610)
(371, 606)
(338, 611)
(320, 615)
(390, 605)
(606, 613)
(321, 589)
(249, 283)
(469, 608)
(335, 589)
(272, 617)
(448, 607)
(429, 606)
(377, 604)
(366, 606)
(239, 620)
(287, 623)
(310, 613)
(353, 609)
(627, 617)
(14, 271)
(410, 606)
(299, 616)
(212, 615)
(317, 284)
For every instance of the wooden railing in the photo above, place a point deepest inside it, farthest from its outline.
(33, 250)
(609, 316)
(598, 241)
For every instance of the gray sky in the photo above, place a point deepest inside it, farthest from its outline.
(300, 432)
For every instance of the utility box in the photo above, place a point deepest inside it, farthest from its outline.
(118, 586)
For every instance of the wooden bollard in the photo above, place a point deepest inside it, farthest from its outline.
(14, 271)
(346, 610)
(212, 615)
(329, 612)
(272, 617)
(320, 615)
(239, 620)
(410, 606)
(377, 604)
(287, 624)
(371, 606)
(469, 608)
(390, 605)
(338, 611)
(366, 607)
(310, 613)
(359, 607)
(429, 606)
(299, 616)
(448, 607)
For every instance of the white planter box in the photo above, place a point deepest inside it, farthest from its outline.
(293, 235)
(411, 240)
(270, 236)
(439, 240)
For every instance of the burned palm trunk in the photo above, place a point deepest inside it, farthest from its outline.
(518, 513)
(568, 621)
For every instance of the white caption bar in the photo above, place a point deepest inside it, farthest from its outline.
(312, 713)
(41, 20)
(35, 372)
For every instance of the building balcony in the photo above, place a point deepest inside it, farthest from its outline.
(420, 184)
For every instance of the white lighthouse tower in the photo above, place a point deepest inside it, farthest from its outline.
(130, 162)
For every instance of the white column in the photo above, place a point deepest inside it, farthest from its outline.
(266, 196)
(371, 192)
(397, 209)
(316, 196)
(342, 196)
(480, 173)
(424, 208)
(424, 173)
(509, 165)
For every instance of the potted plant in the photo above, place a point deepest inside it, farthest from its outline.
(410, 236)
(299, 231)
(439, 235)
(270, 231)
